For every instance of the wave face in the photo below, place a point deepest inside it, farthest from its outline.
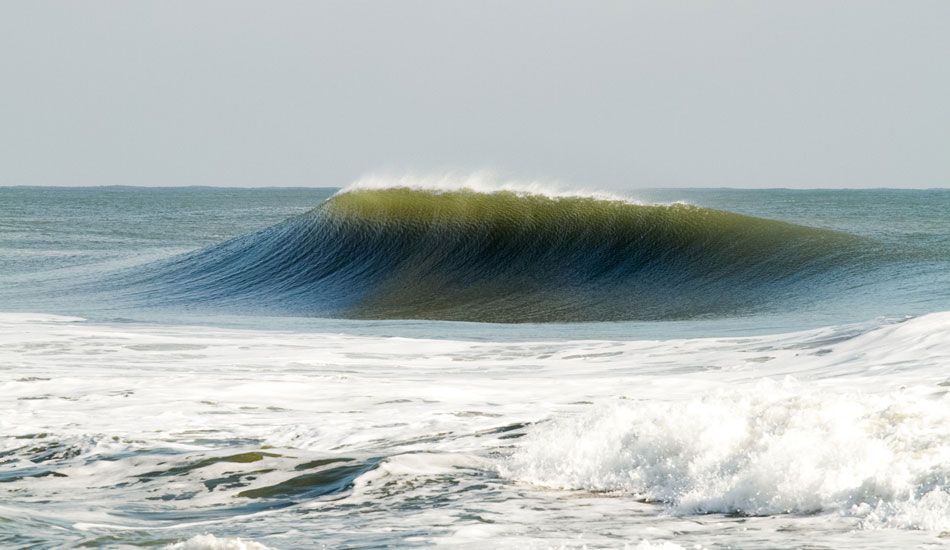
(504, 256)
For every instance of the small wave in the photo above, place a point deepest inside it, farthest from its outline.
(396, 469)
(779, 448)
(431, 252)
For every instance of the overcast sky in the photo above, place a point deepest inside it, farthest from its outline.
(601, 94)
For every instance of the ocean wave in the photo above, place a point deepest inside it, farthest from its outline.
(772, 449)
(505, 256)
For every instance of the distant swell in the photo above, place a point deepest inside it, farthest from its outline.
(403, 253)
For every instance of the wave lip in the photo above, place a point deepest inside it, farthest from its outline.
(483, 182)
(505, 256)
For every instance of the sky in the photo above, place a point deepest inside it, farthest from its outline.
(612, 95)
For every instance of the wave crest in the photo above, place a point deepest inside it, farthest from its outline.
(507, 256)
(479, 182)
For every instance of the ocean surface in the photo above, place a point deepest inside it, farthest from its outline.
(418, 363)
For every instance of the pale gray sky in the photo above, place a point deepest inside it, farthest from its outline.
(601, 94)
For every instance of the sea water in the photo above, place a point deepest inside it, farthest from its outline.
(409, 364)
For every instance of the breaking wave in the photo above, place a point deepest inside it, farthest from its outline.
(779, 448)
(506, 255)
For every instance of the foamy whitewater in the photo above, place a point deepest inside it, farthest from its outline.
(456, 363)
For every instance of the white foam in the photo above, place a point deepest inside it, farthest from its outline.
(769, 449)
(210, 542)
(480, 181)
(854, 427)
(661, 545)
